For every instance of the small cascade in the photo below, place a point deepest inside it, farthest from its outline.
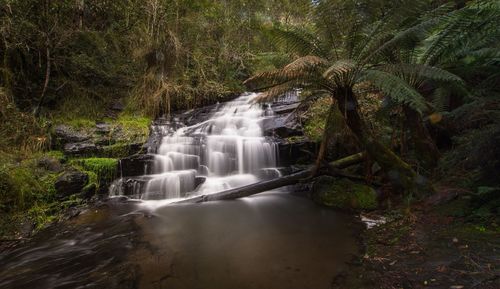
(227, 150)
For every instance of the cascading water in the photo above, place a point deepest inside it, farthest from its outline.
(226, 151)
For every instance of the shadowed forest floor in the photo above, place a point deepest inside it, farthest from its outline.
(426, 249)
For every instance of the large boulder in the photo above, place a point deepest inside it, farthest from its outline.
(343, 194)
(70, 183)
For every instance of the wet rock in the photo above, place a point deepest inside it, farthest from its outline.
(80, 149)
(64, 134)
(283, 126)
(128, 187)
(70, 183)
(280, 108)
(198, 181)
(295, 151)
(136, 165)
(50, 164)
(89, 191)
(343, 194)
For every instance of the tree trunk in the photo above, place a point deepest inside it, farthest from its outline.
(81, 11)
(425, 147)
(325, 142)
(399, 172)
(264, 186)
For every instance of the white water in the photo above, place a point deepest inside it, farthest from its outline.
(228, 150)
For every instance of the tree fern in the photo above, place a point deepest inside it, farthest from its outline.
(458, 25)
(416, 73)
(296, 40)
(339, 70)
(303, 67)
(395, 88)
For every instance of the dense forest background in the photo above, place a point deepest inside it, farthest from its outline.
(422, 75)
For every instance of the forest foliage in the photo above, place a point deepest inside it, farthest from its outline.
(413, 82)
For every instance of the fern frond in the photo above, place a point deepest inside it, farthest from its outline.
(297, 41)
(441, 99)
(395, 88)
(416, 73)
(280, 89)
(401, 29)
(338, 71)
(303, 67)
(406, 38)
(460, 24)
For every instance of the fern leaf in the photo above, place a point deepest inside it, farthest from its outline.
(338, 70)
(395, 88)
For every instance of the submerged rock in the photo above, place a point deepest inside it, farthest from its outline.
(344, 194)
(70, 183)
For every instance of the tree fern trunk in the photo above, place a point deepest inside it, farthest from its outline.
(327, 137)
(400, 173)
(425, 147)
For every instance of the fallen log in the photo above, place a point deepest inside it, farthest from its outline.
(268, 185)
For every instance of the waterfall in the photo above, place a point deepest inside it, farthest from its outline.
(226, 151)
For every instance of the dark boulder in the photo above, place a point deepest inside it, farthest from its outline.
(89, 191)
(136, 165)
(70, 183)
(296, 151)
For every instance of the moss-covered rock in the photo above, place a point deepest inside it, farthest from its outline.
(70, 183)
(101, 172)
(344, 194)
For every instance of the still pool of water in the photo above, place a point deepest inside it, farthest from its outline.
(272, 240)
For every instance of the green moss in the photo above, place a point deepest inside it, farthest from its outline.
(99, 170)
(59, 155)
(134, 122)
(27, 193)
(134, 128)
(103, 168)
(344, 194)
(118, 150)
